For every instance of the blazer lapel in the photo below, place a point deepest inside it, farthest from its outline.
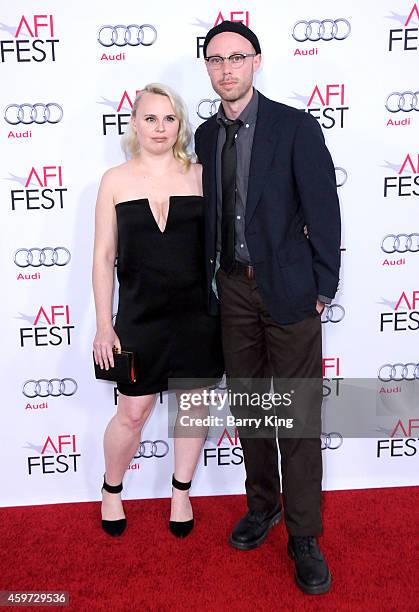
(264, 140)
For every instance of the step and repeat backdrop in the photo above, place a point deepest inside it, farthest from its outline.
(70, 72)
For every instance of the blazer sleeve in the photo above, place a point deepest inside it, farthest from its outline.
(316, 183)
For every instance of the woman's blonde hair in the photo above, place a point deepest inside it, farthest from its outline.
(130, 144)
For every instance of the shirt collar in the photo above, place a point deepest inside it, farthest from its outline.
(248, 114)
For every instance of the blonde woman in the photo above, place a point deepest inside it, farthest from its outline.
(150, 214)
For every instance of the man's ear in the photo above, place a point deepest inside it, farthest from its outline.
(257, 61)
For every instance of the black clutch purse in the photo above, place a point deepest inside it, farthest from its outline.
(124, 370)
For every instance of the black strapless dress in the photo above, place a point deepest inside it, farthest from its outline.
(162, 313)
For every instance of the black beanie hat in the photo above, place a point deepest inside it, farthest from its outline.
(232, 26)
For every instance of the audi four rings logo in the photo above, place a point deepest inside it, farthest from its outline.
(405, 102)
(326, 29)
(33, 113)
(54, 387)
(332, 313)
(48, 256)
(148, 449)
(132, 35)
(332, 440)
(341, 176)
(400, 243)
(207, 108)
(399, 371)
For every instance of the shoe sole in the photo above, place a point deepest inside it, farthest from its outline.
(239, 546)
(318, 589)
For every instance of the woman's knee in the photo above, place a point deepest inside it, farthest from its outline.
(133, 411)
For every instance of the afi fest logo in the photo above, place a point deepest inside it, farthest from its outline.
(57, 455)
(227, 450)
(404, 315)
(237, 16)
(115, 123)
(405, 38)
(405, 445)
(33, 40)
(332, 376)
(42, 189)
(51, 327)
(319, 31)
(119, 38)
(403, 186)
(327, 104)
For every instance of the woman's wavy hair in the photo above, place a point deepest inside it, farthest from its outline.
(130, 144)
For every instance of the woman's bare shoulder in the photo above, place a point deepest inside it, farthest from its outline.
(116, 172)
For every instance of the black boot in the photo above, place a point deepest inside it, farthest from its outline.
(311, 571)
(252, 529)
(113, 528)
(181, 529)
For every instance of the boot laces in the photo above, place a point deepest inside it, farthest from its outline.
(305, 545)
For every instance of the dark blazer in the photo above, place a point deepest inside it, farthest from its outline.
(291, 184)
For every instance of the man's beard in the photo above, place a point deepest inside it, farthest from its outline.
(235, 94)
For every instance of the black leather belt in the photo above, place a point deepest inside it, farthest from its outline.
(243, 270)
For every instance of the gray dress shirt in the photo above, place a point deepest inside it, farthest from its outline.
(244, 142)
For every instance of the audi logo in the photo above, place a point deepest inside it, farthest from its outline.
(400, 243)
(399, 371)
(332, 313)
(341, 176)
(406, 101)
(332, 440)
(148, 449)
(207, 108)
(54, 387)
(33, 113)
(48, 256)
(326, 29)
(132, 35)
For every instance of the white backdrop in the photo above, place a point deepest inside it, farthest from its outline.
(51, 446)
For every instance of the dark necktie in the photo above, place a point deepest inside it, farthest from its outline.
(228, 182)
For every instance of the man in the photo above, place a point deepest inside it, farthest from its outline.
(273, 244)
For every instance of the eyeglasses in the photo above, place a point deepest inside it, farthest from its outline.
(236, 60)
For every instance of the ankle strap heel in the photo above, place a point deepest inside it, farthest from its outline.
(181, 529)
(182, 486)
(111, 488)
(117, 527)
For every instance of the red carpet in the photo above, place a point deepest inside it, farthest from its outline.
(370, 541)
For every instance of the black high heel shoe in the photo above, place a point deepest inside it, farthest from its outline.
(113, 528)
(181, 529)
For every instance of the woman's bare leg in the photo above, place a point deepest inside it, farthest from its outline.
(188, 444)
(121, 440)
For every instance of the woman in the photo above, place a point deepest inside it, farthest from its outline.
(149, 213)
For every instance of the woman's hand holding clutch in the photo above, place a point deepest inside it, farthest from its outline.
(103, 345)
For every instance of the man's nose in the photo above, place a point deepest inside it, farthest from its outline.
(226, 67)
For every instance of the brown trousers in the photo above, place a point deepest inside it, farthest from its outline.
(255, 346)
